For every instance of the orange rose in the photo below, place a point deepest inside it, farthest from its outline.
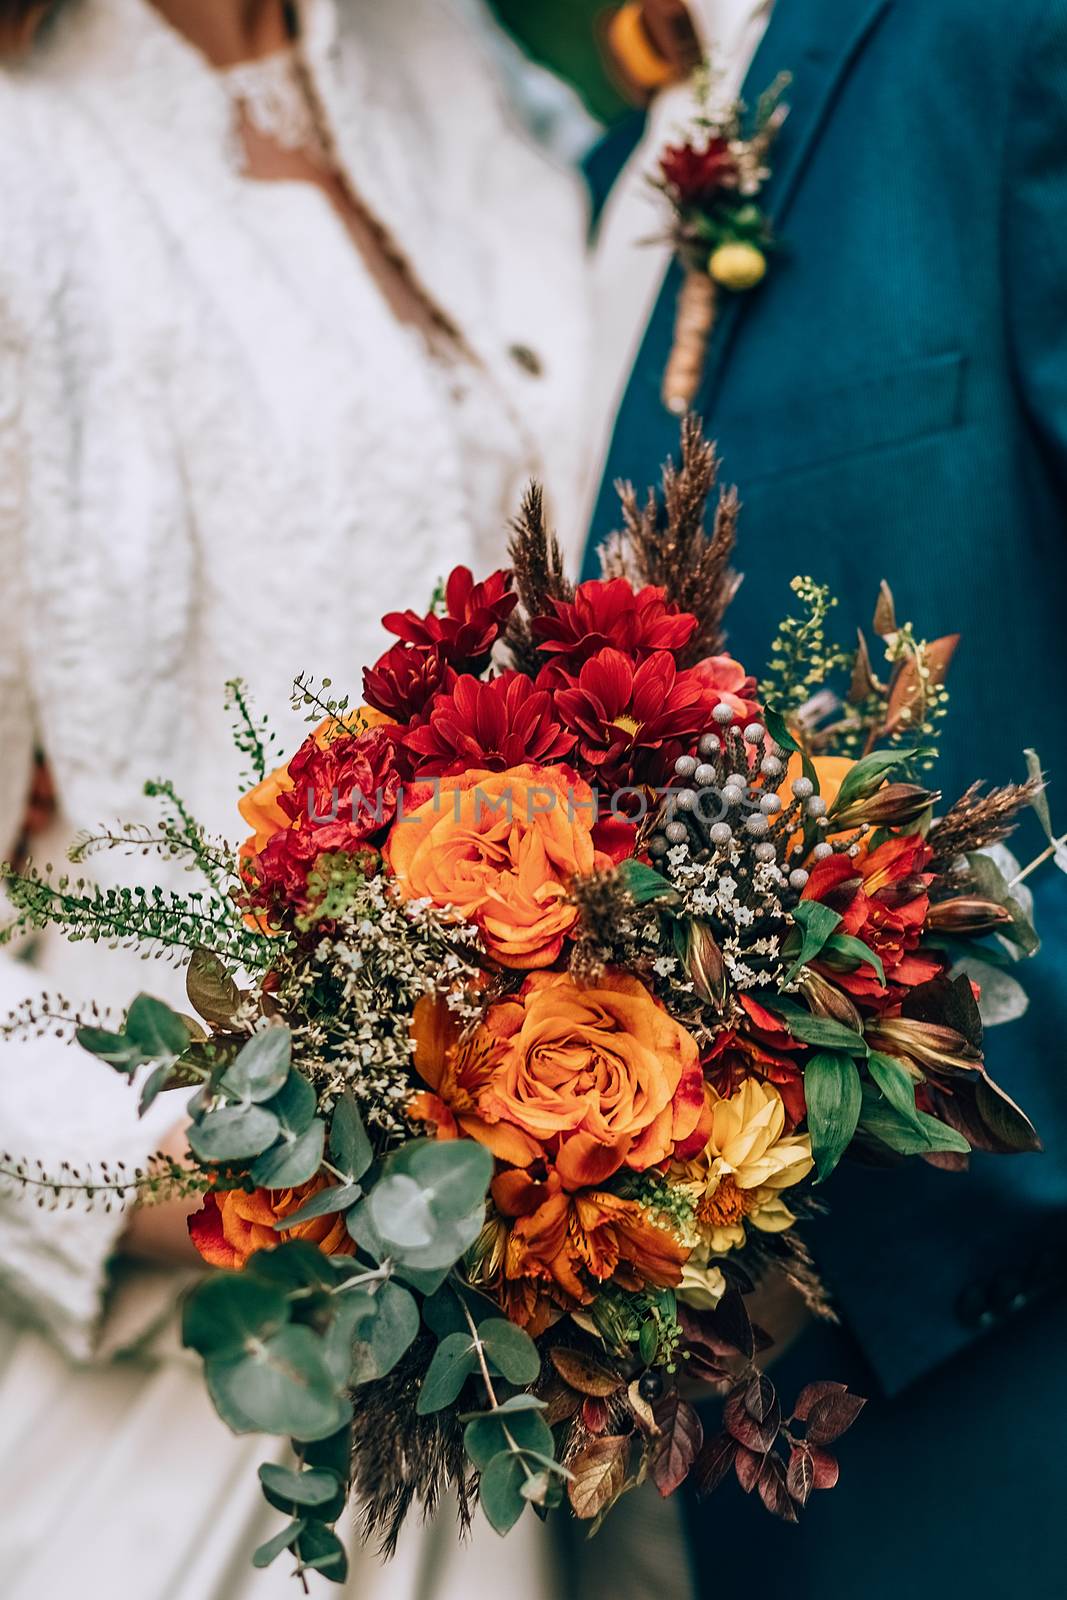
(233, 1225)
(501, 849)
(603, 1077)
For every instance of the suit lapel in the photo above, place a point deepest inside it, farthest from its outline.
(817, 41)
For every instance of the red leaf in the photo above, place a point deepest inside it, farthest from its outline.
(732, 1324)
(595, 1415)
(812, 1393)
(772, 1489)
(825, 1467)
(800, 1478)
(747, 1465)
(682, 1436)
(745, 1428)
(832, 1416)
(714, 1462)
(761, 1402)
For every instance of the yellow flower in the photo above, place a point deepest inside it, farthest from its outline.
(748, 1160)
(703, 1285)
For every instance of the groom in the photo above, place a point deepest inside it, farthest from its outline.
(892, 401)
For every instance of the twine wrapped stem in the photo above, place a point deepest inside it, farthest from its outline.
(693, 322)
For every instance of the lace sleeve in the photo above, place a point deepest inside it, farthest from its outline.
(55, 1104)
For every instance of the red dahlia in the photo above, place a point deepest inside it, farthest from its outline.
(632, 721)
(612, 614)
(696, 177)
(473, 616)
(405, 679)
(493, 725)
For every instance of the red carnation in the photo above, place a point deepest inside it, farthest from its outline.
(473, 616)
(405, 679)
(696, 177)
(494, 725)
(632, 721)
(344, 793)
(612, 614)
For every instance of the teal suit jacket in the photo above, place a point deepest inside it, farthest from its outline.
(892, 402)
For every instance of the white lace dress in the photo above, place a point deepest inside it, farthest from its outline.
(221, 456)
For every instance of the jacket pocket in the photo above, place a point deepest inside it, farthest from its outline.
(823, 426)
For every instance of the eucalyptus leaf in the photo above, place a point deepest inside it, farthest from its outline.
(1002, 997)
(453, 1362)
(293, 1162)
(282, 1386)
(229, 1312)
(233, 1133)
(158, 1079)
(313, 1488)
(384, 1335)
(988, 870)
(321, 1550)
(339, 1197)
(156, 1030)
(262, 1066)
(454, 1173)
(834, 1094)
(511, 1350)
(350, 1148)
(500, 1491)
(361, 1228)
(114, 1048)
(485, 1436)
(296, 1264)
(294, 1105)
(401, 1211)
(282, 1541)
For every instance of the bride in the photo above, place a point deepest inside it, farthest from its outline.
(288, 313)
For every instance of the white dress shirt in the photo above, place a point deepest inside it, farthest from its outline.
(631, 255)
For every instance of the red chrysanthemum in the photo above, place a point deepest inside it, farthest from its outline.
(883, 901)
(405, 679)
(344, 793)
(632, 721)
(470, 625)
(612, 614)
(696, 177)
(494, 726)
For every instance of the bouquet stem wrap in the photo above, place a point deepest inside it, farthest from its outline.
(693, 324)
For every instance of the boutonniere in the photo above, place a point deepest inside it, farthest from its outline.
(719, 231)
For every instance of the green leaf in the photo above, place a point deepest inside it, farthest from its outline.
(383, 1335)
(350, 1148)
(644, 884)
(321, 1550)
(293, 1162)
(500, 1491)
(429, 1205)
(334, 1454)
(402, 1213)
(262, 1066)
(294, 1105)
(896, 1084)
(282, 1541)
(511, 1350)
(923, 1136)
(816, 922)
(324, 1204)
(233, 1133)
(823, 1032)
(453, 1362)
(212, 992)
(991, 884)
(155, 1029)
(484, 1437)
(361, 1228)
(114, 1048)
(776, 726)
(834, 1094)
(1039, 804)
(855, 953)
(229, 1311)
(515, 1402)
(296, 1264)
(868, 775)
(282, 1386)
(313, 1488)
(454, 1173)
(158, 1079)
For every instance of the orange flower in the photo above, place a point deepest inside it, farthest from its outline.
(501, 849)
(232, 1225)
(561, 1246)
(603, 1077)
(831, 772)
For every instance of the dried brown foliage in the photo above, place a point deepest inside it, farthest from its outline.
(537, 562)
(978, 820)
(666, 541)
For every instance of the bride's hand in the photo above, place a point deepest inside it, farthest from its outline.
(158, 1232)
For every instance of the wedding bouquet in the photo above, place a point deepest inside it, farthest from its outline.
(552, 980)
